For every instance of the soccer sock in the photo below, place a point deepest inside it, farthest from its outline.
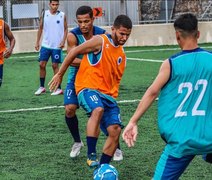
(42, 81)
(105, 159)
(91, 143)
(59, 87)
(1, 73)
(72, 124)
(118, 147)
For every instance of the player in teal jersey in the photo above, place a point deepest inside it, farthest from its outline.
(185, 103)
(85, 31)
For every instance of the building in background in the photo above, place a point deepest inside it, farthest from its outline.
(24, 14)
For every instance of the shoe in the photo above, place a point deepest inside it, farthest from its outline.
(57, 92)
(118, 155)
(92, 161)
(40, 91)
(75, 150)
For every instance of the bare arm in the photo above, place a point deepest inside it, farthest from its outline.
(62, 44)
(130, 132)
(39, 33)
(71, 43)
(11, 38)
(91, 45)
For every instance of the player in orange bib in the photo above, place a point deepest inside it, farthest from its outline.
(97, 85)
(4, 52)
(102, 71)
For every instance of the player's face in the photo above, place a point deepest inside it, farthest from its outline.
(85, 23)
(54, 5)
(121, 35)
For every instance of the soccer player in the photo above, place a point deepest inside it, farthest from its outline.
(54, 27)
(185, 103)
(97, 84)
(4, 51)
(85, 31)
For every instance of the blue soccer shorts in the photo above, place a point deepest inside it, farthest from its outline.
(55, 54)
(91, 99)
(70, 96)
(169, 167)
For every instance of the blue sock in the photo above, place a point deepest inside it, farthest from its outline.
(72, 124)
(118, 147)
(91, 143)
(105, 159)
(1, 74)
(42, 81)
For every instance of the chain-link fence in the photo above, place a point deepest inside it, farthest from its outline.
(24, 14)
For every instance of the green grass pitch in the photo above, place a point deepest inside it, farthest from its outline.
(35, 142)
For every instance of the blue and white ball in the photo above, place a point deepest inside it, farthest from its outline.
(106, 172)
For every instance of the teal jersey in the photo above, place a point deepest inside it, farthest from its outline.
(185, 104)
(80, 39)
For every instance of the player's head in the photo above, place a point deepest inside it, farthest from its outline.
(186, 26)
(121, 29)
(84, 15)
(54, 5)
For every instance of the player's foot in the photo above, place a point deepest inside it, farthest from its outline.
(118, 155)
(75, 150)
(57, 92)
(40, 91)
(92, 161)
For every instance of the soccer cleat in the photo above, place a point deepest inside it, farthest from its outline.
(75, 150)
(57, 92)
(92, 161)
(118, 155)
(40, 91)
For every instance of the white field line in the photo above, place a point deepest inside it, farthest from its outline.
(56, 107)
(133, 51)
(146, 60)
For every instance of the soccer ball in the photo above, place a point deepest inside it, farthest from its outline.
(106, 172)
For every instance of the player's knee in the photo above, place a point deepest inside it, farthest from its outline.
(114, 130)
(70, 111)
(55, 66)
(42, 66)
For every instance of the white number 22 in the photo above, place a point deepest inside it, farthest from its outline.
(189, 86)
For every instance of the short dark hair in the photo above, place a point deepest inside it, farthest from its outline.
(84, 10)
(187, 23)
(123, 20)
(53, 0)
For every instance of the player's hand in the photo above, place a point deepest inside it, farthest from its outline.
(55, 82)
(62, 45)
(37, 46)
(7, 53)
(130, 134)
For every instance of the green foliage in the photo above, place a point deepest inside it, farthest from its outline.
(35, 144)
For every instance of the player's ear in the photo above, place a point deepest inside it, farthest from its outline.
(177, 35)
(198, 34)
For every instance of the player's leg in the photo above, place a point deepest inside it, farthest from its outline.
(43, 59)
(1, 74)
(169, 167)
(1, 67)
(56, 56)
(71, 105)
(92, 104)
(110, 125)
(118, 155)
(208, 157)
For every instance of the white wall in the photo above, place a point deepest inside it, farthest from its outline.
(142, 35)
